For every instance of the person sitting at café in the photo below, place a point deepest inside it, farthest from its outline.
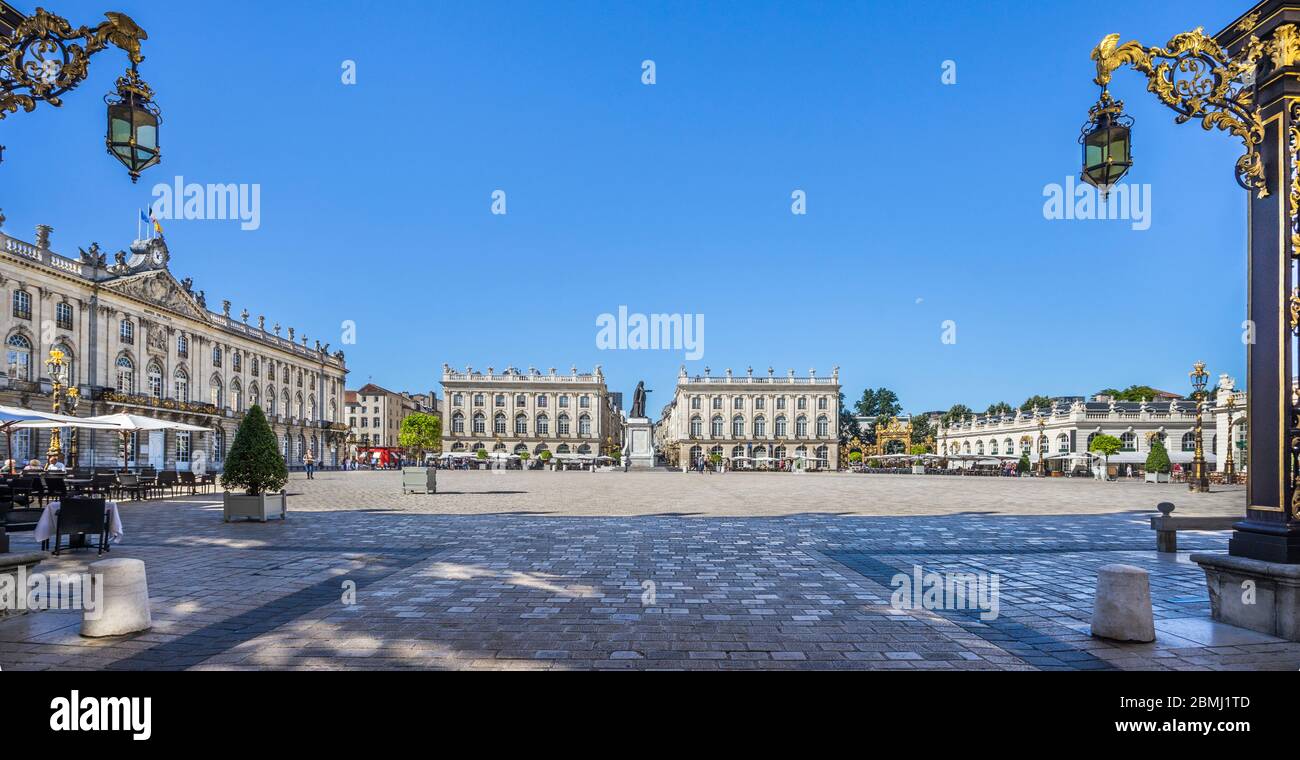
(54, 465)
(34, 466)
(10, 467)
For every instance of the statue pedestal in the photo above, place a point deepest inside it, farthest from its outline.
(640, 444)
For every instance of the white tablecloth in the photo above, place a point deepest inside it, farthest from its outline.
(45, 526)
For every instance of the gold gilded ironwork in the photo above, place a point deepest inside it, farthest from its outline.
(1249, 23)
(46, 57)
(1197, 78)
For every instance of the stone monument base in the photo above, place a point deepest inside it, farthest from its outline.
(640, 444)
(1251, 593)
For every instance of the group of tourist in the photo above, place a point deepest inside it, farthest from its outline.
(10, 467)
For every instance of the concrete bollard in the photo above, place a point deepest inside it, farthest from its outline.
(123, 594)
(1121, 609)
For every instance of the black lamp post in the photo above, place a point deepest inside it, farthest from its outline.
(133, 120)
(1199, 480)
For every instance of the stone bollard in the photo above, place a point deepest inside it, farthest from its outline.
(1121, 609)
(122, 592)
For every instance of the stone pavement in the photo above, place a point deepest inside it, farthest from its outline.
(548, 570)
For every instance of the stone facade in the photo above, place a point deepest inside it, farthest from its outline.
(515, 411)
(141, 342)
(374, 414)
(756, 416)
(1068, 429)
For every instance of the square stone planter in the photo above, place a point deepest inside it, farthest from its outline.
(419, 480)
(260, 508)
(1157, 477)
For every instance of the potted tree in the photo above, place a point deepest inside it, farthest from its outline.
(545, 456)
(482, 457)
(1106, 445)
(523, 460)
(255, 467)
(918, 468)
(420, 433)
(1157, 462)
(716, 459)
(855, 459)
(1022, 467)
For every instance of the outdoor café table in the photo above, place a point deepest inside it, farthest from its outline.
(45, 526)
(78, 484)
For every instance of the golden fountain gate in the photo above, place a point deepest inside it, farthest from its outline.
(1245, 81)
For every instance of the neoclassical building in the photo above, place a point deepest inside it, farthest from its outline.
(1068, 429)
(757, 416)
(516, 411)
(137, 340)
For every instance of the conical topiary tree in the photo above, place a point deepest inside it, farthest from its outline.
(254, 462)
(1158, 459)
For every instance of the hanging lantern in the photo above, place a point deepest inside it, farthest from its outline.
(1107, 146)
(133, 120)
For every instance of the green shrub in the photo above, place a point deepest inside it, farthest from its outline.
(254, 462)
(482, 454)
(1023, 465)
(545, 456)
(1158, 459)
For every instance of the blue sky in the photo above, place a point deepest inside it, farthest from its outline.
(925, 201)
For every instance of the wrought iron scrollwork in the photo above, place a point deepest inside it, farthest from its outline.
(46, 57)
(1199, 80)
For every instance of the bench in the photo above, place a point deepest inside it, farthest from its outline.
(1167, 526)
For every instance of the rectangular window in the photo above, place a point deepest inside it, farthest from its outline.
(22, 305)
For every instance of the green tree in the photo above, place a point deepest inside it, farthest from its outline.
(254, 462)
(999, 408)
(855, 457)
(1035, 402)
(880, 403)
(849, 428)
(1023, 465)
(481, 454)
(1158, 459)
(918, 448)
(922, 429)
(956, 413)
(1106, 445)
(1131, 393)
(420, 434)
(545, 456)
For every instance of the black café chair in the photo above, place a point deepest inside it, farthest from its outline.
(168, 479)
(56, 487)
(81, 515)
(102, 483)
(129, 484)
(188, 481)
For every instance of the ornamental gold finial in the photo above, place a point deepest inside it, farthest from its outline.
(1110, 55)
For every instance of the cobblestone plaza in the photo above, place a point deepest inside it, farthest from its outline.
(547, 570)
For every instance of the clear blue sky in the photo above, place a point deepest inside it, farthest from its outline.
(924, 200)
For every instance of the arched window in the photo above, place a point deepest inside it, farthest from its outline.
(236, 396)
(22, 304)
(696, 453)
(218, 445)
(715, 427)
(1189, 441)
(737, 452)
(965, 447)
(1130, 441)
(993, 447)
(253, 396)
(20, 357)
(125, 375)
(183, 446)
(823, 456)
(584, 426)
(1009, 446)
(823, 426)
(126, 331)
(63, 315)
(298, 407)
(458, 423)
(1044, 447)
(216, 394)
(979, 448)
(155, 378)
(499, 424)
(69, 365)
(480, 423)
(285, 408)
(182, 385)
(1063, 444)
(780, 426)
(801, 427)
(738, 427)
(563, 426)
(697, 426)
(311, 408)
(760, 426)
(521, 424)
(543, 424)
(182, 346)
(1025, 445)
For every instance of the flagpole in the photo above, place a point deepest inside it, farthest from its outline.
(138, 217)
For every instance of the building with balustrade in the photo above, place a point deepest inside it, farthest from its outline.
(515, 411)
(752, 418)
(1051, 432)
(137, 340)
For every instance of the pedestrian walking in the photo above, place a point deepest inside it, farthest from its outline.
(310, 461)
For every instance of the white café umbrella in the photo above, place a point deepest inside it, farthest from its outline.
(126, 424)
(16, 418)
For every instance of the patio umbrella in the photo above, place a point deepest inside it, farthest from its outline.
(126, 424)
(15, 418)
